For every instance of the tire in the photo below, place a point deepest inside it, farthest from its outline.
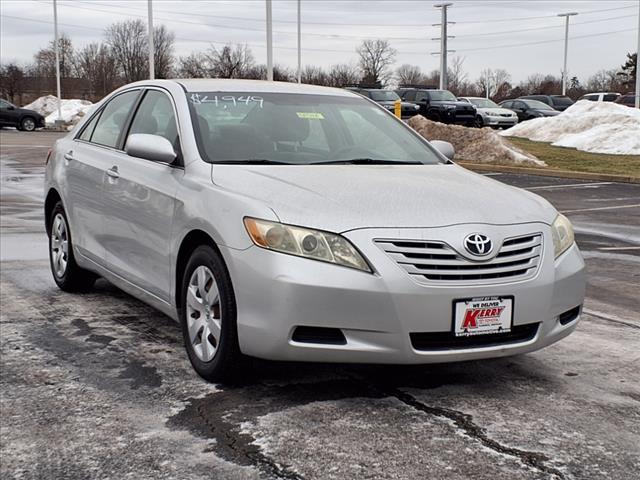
(479, 123)
(66, 272)
(208, 318)
(28, 124)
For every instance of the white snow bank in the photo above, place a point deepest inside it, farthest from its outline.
(599, 127)
(71, 110)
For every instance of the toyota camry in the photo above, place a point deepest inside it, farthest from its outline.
(296, 222)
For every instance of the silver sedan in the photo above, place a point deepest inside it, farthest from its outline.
(296, 222)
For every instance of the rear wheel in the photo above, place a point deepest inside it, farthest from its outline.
(28, 124)
(208, 317)
(66, 272)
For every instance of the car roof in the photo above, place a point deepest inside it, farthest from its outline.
(255, 86)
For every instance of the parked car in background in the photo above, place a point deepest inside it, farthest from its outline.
(302, 223)
(440, 105)
(490, 114)
(20, 118)
(387, 99)
(557, 102)
(629, 100)
(528, 109)
(601, 97)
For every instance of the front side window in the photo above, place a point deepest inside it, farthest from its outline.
(155, 116)
(113, 119)
(300, 129)
(4, 105)
(609, 97)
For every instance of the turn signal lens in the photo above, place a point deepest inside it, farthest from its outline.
(304, 242)
(562, 235)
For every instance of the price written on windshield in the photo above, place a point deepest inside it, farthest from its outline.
(226, 101)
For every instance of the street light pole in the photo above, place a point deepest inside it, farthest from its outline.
(443, 45)
(638, 59)
(299, 47)
(57, 49)
(269, 43)
(566, 47)
(152, 67)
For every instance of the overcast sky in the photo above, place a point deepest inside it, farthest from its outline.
(487, 33)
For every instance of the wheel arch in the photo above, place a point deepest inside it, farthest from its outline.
(52, 198)
(192, 240)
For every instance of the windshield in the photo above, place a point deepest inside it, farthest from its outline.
(442, 95)
(300, 129)
(537, 105)
(384, 95)
(484, 103)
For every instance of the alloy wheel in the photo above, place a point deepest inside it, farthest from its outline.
(28, 124)
(59, 245)
(204, 313)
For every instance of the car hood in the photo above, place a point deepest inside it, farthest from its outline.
(339, 198)
(496, 110)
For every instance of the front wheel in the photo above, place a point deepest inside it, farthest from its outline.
(479, 123)
(66, 272)
(208, 317)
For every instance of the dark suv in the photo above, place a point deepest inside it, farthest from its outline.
(440, 105)
(21, 118)
(387, 99)
(557, 102)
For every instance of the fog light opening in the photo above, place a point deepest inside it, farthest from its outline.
(569, 316)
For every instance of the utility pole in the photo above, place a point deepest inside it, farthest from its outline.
(637, 60)
(152, 67)
(299, 47)
(443, 44)
(488, 82)
(269, 43)
(566, 47)
(57, 49)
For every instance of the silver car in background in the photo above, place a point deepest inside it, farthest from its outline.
(295, 222)
(490, 114)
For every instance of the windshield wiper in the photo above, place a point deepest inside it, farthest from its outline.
(254, 161)
(367, 161)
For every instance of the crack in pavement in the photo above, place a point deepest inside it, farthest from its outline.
(465, 423)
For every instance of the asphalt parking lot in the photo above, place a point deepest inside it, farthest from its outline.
(98, 385)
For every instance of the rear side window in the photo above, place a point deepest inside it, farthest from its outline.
(609, 97)
(113, 118)
(155, 116)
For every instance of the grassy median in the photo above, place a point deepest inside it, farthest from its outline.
(570, 159)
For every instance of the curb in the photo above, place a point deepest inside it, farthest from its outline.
(602, 177)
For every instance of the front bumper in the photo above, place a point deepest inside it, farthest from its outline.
(499, 121)
(275, 293)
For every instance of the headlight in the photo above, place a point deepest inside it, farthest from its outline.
(304, 242)
(562, 234)
(416, 107)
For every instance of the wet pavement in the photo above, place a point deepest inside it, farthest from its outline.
(97, 385)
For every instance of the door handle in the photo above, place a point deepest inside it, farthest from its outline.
(113, 172)
(69, 155)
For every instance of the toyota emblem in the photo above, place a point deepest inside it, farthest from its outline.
(478, 244)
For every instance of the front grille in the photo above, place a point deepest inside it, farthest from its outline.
(434, 341)
(505, 115)
(435, 261)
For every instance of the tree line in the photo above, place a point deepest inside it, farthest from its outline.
(123, 57)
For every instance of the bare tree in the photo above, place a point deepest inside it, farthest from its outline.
(280, 73)
(95, 63)
(376, 58)
(11, 82)
(162, 52)
(314, 75)
(343, 74)
(457, 76)
(496, 81)
(230, 62)
(195, 65)
(45, 59)
(128, 42)
(409, 75)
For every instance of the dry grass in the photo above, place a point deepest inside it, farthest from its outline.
(562, 158)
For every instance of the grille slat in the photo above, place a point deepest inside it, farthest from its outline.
(435, 261)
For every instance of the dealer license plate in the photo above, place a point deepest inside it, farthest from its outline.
(482, 316)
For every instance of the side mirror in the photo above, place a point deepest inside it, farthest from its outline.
(150, 147)
(445, 148)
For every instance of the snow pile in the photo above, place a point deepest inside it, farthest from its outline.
(71, 110)
(480, 145)
(599, 127)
